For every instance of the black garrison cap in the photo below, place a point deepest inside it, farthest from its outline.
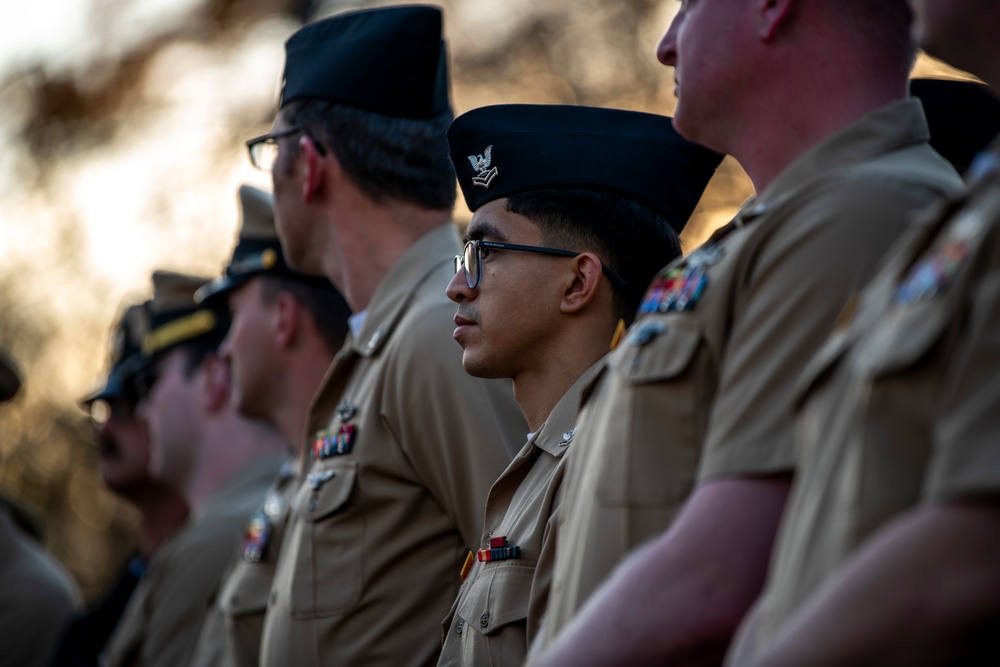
(963, 117)
(390, 60)
(258, 249)
(10, 379)
(126, 355)
(502, 150)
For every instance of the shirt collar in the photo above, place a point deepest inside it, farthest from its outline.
(889, 128)
(432, 250)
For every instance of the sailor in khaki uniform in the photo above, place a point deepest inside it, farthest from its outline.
(690, 425)
(286, 328)
(555, 261)
(222, 464)
(124, 449)
(402, 444)
(37, 597)
(888, 551)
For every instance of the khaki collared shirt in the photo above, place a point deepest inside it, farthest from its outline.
(382, 525)
(706, 391)
(37, 597)
(902, 405)
(231, 633)
(498, 612)
(161, 622)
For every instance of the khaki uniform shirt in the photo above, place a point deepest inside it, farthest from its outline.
(37, 597)
(231, 633)
(161, 623)
(705, 389)
(498, 611)
(902, 405)
(408, 445)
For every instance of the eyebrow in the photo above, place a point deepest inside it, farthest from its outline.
(481, 229)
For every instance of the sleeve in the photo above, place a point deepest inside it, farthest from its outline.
(966, 458)
(810, 264)
(458, 432)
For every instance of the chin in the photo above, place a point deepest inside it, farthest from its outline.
(481, 368)
(251, 409)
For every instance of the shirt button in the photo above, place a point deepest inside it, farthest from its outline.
(313, 503)
(458, 628)
(484, 620)
(274, 596)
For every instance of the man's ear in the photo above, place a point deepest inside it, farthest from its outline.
(582, 287)
(773, 15)
(316, 166)
(216, 386)
(285, 312)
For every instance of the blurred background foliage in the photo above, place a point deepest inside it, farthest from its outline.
(123, 124)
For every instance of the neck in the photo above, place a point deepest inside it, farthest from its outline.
(765, 155)
(362, 251)
(229, 445)
(541, 385)
(161, 512)
(306, 371)
(829, 95)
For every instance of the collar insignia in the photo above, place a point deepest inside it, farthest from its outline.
(481, 163)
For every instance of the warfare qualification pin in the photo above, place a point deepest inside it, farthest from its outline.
(346, 411)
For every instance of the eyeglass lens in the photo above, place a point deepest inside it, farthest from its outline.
(102, 410)
(264, 153)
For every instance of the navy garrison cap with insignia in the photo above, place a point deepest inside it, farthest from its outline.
(126, 355)
(175, 317)
(257, 252)
(10, 379)
(501, 150)
(963, 117)
(390, 60)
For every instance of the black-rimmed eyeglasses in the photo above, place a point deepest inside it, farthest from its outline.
(472, 260)
(264, 149)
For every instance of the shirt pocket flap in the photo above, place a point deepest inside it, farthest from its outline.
(656, 350)
(498, 597)
(326, 490)
(825, 359)
(246, 594)
(904, 338)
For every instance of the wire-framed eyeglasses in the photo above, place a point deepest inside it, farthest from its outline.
(472, 260)
(264, 149)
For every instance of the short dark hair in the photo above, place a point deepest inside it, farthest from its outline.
(327, 306)
(387, 157)
(885, 24)
(632, 239)
(197, 350)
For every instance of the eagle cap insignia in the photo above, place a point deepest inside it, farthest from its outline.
(481, 163)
